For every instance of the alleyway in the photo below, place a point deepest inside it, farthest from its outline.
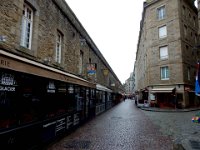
(124, 127)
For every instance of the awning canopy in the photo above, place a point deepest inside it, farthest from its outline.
(103, 88)
(21, 64)
(162, 90)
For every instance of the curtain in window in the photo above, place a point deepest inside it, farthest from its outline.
(162, 32)
(161, 12)
(164, 52)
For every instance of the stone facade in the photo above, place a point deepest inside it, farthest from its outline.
(50, 17)
(181, 24)
(130, 84)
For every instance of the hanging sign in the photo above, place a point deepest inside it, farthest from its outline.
(91, 69)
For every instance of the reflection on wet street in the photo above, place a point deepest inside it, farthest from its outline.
(123, 127)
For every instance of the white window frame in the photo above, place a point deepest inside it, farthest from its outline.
(161, 12)
(162, 32)
(164, 52)
(58, 50)
(27, 26)
(166, 73)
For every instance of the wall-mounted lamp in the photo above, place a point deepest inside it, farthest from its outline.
(105, 72)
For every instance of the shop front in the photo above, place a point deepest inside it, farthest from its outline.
(163, 97)
(103, 98)
(40, 101)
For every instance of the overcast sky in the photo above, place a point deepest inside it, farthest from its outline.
(113, 25)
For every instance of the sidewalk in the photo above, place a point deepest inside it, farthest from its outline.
(168, 110)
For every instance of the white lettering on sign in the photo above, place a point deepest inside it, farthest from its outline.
(9, 89)
(76, 119)
(7, 79)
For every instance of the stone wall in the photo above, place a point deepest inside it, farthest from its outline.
(180, 58)
(50, 17)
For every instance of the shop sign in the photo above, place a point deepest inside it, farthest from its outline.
(4, 63)
(7, 88)
(7, 79)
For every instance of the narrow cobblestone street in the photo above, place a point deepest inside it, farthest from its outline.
(124, 127)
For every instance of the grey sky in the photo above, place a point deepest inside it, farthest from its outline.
(114, 27)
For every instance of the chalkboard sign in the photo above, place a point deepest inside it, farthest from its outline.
(60, 125)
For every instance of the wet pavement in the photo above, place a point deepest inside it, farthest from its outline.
(178, 125)
(123, 127)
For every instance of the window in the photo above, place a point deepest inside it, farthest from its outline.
(194, 20)
(188, 73)
(185, 31)
(164, 73)
(58, 48)
(161, 13)
(187, 48)
(27, 27)
(195, 38)
(183, 11)
(162, 31)
(164, 52)
(81, 63)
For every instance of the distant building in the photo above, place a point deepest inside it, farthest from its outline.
(165, 60)
(130, 84)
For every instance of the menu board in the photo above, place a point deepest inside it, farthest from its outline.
(60, 125)
(76, 119)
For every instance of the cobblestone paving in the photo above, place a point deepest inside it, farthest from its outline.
(123, 127)
(179, 126)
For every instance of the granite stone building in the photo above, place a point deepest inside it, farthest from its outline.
(52, 75)
(165, 64)
(49, 33)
